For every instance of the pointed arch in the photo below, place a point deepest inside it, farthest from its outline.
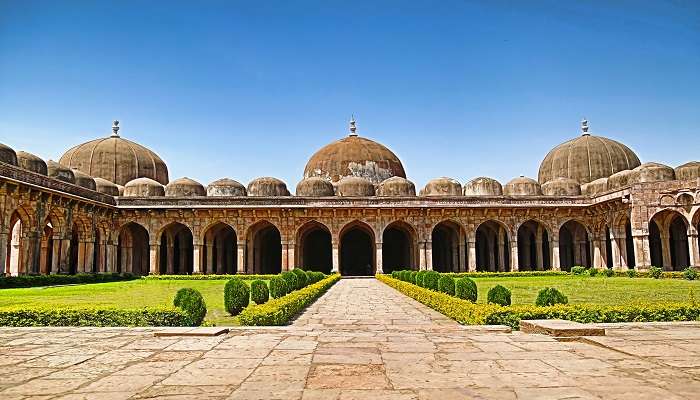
(399, 249)
(133, 249)
(492, 246)
(533, 240)
(314, 247)
(357, 249)
(446, 237)
(574, 245)
(219, 249)
(668, 240)
(264, 255)
(176, 249)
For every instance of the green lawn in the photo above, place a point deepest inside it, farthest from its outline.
(597, 290)
(130, 294)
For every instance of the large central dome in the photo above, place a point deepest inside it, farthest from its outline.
(354, 156)
(587, 158)
(116, 159)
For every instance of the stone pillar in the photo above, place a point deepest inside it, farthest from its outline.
(462, 256)
(290, 255)
(220, 257)
(111, 258)
(240, 253)
(197, 259)
(89, 256)
(491, 249)
(379, 261)
(455, 257)
(501, 249)
(624, 264)
(616, 250)
(209, 262)
(183, 259)
(514, 255)
(336, 258)
(170, 258)
(666, 252)
(429, 255)
(64, 259)
(285, 255)
(55, 255)
(421, 256)
(598, 260)
(694, 250)
(154, 259)
(471, 246)
(3, 253)
(554, 254)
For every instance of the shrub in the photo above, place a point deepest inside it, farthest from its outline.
(278, 287)
(395, 274)
(301, 278)
(24, 281)
(93, 316)
(608, 272)
(499, 295)
(280, 311)
(236, 296)
(314, 276)
(690, 274)
(578, 270)
(430, 280)
(291, 279)
(192, 303)
(655, 272)
(405, 275)
(208, 277)
(419, 278)
(259, 292)
(631, 273)
(412, 277)
(465, 289)
(592, 271)
(550, 297)
(446, 285)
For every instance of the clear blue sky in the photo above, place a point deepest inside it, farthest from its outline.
(455, 88)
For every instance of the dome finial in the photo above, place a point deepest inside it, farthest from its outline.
(353, 128)
(115, 128)
(584, 126)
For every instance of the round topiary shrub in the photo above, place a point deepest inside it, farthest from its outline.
(412, 277)
(319, 276)
(578, 270)
(192, 303)
(465, 289)
(655, 272)
(430, 280)
(278, 287)
(236, 296)
(592, 271)
(259, 292)
(405, 275)
(690, 274)
(301, 278)
(499, 295)
(631, 273)
(550, 297)
(395, 274)
(419, 278)
(446, 285)
(291, 279)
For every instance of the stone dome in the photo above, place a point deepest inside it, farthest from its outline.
(84, 180)
(689, 170)
(354, 186)
(30, 162)
(442, 186)
(315, 187)
(595, 187)
(587, 158)
(106, 187)
(623, 178)
(655, 172)
(396, 186)
(143, 187)
(267, 186)
(60, 172)
(522, 186)
(354, 156)
(483, 186)
(116, 159)
(7, 155)
(561, 187)
(226, 187)
(184, 187)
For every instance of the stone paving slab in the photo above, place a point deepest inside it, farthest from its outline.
(560, 328)
(361, 340)
(186, 331)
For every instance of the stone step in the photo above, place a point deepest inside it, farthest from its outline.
(560, 328)
(189, 331)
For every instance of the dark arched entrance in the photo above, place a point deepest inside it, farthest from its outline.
(397, 248)
(219, 253)
(315, 248)
(445, 247)
(357, 251)
(533, 247)
(492, 247)
(132, 250)
(574, 246)
(176, 251)
(266, 254)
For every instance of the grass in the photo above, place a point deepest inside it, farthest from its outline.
(131, 294)
(595, 290)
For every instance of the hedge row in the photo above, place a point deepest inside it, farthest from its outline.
(632, 273)
(212, 277)
(25, 281)
(466, 312)
(280, 311)
(46, 316)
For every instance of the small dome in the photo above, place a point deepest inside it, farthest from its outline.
(121, 190)
(106, 187)
(561, 187)
(595, 187)
(655, 172)
(143, 187)
(314, 187)
(60, 172)
(30, 162)
(622, 179)
(226, 187)
(354, 186)
(7, 155)
(84, 180)
(396, 186)
(522, 186)
(483, 186)
(689, 170)
(184, 187)
(267, 187)
(442, 187)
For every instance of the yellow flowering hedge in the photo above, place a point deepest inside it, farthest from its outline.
(468, 313)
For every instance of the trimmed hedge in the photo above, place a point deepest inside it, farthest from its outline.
(278, 287)
(236, 296)
(209, 277)
(499, 295)
(550, 297)
(259, 292)
(291, 279)
(280, 311)
(86, 316)
(466, 312)
(574, 271)
(430, 280)
(690, 274)
(465, 289)
(446, 285)
(314, 276)
(25, 281)
(419, 278)
(301, 278)
(191, 302)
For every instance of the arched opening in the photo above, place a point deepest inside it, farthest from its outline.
(314, 248)
(445, 247)
(668, 241)
(608, 249)
(574, 246)
(16, 246)
(397, 247)
(533, 247)
(220, 250)
(357, 250)
(176, 250)
(132, 250)
(492, 247)
(265, 252)
(678, 240)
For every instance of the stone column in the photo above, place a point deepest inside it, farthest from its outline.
(111, 258)
(501, 243)
(170, 258)
(209, 263)
(89, 256)
(183, 260)
(55, 255)
(455, 257)
(624, 264)
(421, 256)
(616, 250)
(471, 246)
(285, 255)
(539, 257)
(554, 254)
(290, 255)
(666, 252)
(491, 249)
(379, 261)
(64, 259)
(154, 259)
(598, 261)
(336, 258)
(197, 259)
(220, 257)
(462, 256)
(240, 253)
(642, 255)
(514, 255)
(429, 255)
(694, 250)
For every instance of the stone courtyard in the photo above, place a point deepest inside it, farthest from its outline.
(361, 340)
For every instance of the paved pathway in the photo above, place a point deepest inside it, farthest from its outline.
(362, 340)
